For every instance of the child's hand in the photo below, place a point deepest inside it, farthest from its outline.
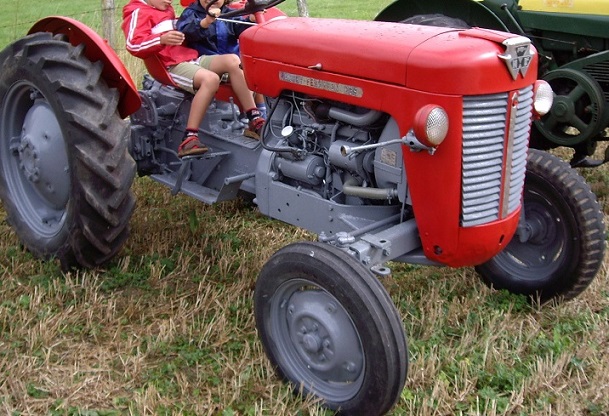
(214, 12)
(173, 37)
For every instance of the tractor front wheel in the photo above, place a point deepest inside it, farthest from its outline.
(560, 242)
(329, 327)
(65, 171)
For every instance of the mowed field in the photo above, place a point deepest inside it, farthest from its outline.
(167, 328)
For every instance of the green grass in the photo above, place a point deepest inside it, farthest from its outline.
(18, 16)
(167, 328)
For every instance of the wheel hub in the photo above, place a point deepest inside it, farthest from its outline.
(324, 336)
(539, 228)
(540, 239)
(28, 158)
(563, 109)
(42, 156)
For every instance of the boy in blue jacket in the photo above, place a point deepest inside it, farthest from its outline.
(217, 41)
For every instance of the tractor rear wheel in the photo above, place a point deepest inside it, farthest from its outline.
(65, 171)
(329, 327)
(560, 242)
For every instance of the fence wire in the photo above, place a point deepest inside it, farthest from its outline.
(95, 18)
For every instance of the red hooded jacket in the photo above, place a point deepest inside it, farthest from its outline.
(143, 26)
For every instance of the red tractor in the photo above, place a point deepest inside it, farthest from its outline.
(412, 150)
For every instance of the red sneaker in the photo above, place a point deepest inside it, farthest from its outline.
(191, 146)
(254, 128)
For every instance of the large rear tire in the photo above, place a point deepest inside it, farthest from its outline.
(559, 248)
(329, 327)
(65, 173)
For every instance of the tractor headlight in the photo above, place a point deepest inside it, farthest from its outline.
(543, 98)
(431, 125)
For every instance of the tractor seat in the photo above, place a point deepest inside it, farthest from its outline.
(158, 71)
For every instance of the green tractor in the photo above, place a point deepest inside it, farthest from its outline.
(572, 38)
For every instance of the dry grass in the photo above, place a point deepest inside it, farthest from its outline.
(168, 328)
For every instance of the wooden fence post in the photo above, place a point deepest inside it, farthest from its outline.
(108, 21)
(303, 9)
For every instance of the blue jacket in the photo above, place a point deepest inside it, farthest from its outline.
(219, 38)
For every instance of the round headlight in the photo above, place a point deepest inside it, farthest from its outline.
(543, 99)
(431, 125)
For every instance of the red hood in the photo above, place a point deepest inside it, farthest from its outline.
(381, 51)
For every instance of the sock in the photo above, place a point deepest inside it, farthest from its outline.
(262, 108)
(191, 132)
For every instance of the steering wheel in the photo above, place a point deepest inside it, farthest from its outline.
(251, 7)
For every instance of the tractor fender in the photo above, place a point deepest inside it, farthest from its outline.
(96, 49)
(474, 12)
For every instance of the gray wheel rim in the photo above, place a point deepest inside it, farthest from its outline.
(34, 159)
(316, 340)
(547, 234)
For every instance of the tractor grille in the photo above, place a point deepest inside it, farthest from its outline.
(600, 72)
(484, 140)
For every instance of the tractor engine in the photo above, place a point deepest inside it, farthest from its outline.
(322, 155)
(330, 148)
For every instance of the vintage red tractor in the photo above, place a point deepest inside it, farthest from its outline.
(572, 40)
(413, 150)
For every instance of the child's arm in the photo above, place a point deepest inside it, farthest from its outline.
(142, 41)
(193, 26)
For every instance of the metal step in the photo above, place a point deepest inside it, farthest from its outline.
(177, 182)
(192, 189)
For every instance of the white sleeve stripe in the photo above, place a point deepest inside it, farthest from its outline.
(135, 47)
(164, 26)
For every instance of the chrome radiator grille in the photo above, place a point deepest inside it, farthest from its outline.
(485, 120)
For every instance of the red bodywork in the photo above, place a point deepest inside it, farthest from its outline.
(96, 49)
(397, 69)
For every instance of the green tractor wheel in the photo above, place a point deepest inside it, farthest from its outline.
(576, 115)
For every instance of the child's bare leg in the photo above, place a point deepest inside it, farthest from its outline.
(229, 63)
(206, 84)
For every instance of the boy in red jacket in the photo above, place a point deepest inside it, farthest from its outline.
(149, 29)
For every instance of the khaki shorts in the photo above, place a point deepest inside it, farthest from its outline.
(183, 73)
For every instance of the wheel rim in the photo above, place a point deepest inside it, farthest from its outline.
(546, 232)
(576, 114)
(317, 340)
(34, 159)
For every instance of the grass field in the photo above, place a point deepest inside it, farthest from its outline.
(167, 328)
